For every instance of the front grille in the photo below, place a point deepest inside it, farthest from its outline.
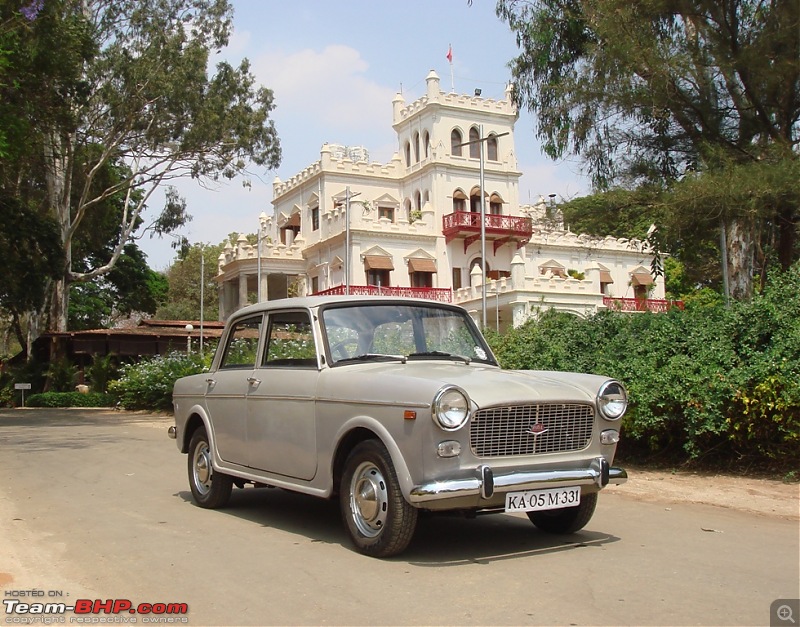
(504, 431)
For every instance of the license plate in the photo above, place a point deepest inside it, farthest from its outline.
(537, 500)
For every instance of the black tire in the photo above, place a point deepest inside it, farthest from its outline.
(567, 519)
(378, 519)
(210, 489)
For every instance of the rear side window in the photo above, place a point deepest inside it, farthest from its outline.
(242, 346)
(290, 341)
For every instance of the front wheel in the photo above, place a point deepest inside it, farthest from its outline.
(377, 517)
(567, 519)
(210, 489)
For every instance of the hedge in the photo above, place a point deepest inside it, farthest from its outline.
(70, 399)
(711, 383)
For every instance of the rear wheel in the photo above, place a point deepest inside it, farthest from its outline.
(210, 489)
(567, 519)
(377, 517)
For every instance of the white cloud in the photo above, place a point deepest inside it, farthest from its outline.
(327, 89)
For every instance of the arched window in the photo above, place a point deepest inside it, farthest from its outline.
(426, 142)
(491, 148)
(474, 145)
(495, 204)
(478, 262)
(408, 154)
(416, 147)
(475, 200)
(427, 196)
(459, 201)
(417, 201)
(455, 142)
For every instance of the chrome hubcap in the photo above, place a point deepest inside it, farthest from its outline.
(369, 499)
(201, 468)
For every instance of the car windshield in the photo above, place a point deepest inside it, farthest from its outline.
(364, 332)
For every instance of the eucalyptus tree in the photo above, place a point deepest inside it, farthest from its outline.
(655, 91)
(136, 89)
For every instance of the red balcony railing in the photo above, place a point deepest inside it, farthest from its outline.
(439, 294)
(635, 304)
(499, 229)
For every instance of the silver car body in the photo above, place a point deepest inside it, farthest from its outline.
(292, 425)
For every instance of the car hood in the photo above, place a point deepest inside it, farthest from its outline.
(418, 381)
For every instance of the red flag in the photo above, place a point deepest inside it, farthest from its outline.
(450, 54)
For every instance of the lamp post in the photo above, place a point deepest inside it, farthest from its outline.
(202, 294)
(258, 264)
(482, 140)
(347, 197)
(189, 328)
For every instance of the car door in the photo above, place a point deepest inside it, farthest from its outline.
(281, 427)
(228, 387)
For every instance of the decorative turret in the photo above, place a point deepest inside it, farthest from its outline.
(432, 79)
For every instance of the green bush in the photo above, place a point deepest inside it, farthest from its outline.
(148, 383)
(70, 399)
(711, 383)
(33, 372)
(62, 375)
(101, 372)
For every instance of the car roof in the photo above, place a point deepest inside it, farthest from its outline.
(313, 302)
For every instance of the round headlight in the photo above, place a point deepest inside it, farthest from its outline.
(612, 400)
(450, 408)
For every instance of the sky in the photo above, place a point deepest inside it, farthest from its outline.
(334, 67)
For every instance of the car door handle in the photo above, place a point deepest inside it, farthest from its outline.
(253, 381)
(210, 381)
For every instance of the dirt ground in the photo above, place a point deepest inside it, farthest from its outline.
(762, 496)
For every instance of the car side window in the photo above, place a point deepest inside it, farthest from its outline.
(290, 341)
(242, 346)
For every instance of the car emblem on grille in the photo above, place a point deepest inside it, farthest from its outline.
(536, 428)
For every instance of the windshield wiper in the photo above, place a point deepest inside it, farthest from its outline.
(373, 357)
(435, 354)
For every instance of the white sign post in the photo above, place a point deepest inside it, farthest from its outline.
(22, 387)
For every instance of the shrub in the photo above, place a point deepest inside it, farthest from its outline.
(148, 383)
(711, 383)
(33, 372)
(61, 375)
(70, 399)
(102, 370)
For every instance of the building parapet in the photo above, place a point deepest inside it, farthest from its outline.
(333, 163)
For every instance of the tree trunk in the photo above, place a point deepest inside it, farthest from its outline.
(741, 258)
(58, 159)
(787, 236)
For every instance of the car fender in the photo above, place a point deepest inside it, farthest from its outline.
(384, 435)
(184, 437)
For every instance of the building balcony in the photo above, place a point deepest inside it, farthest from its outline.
(441, 295)
(647, 304)
(499, 229)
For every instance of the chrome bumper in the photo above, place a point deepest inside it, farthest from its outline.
(486, 483)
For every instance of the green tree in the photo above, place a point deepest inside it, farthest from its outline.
(125, 82)
(648, 91)
(131, 287)
(31, 261)
(183, 277)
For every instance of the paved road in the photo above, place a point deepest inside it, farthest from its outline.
(96, 505)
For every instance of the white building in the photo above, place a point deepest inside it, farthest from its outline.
(415, 226)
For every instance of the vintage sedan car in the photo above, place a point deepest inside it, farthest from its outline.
(393, 406)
